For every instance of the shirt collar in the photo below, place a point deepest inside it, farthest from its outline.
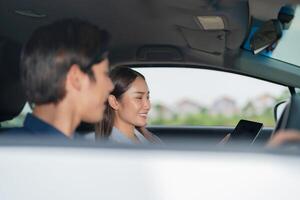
(40, 127)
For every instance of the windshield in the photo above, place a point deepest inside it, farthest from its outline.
(287, 47)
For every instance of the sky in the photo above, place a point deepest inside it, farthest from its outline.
(169, 85)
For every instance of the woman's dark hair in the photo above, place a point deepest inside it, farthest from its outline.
(122, 78)
(51, 51)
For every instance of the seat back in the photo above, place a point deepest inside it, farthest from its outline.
(12, 96)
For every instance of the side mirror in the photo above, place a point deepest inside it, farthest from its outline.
(267, 36)
(278, 109)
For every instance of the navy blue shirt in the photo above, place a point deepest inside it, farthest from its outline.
(36, 128)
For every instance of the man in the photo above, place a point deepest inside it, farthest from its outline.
(283, 137)
(64, 71)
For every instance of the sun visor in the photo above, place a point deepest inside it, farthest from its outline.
(207, 41)
(221, 28)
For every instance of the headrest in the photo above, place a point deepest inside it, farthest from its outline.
(12, 97)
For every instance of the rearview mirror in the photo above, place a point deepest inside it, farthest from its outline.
(267, 36)
(278, 109)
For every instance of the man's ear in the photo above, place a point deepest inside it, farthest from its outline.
(113, 102)
(74, 78)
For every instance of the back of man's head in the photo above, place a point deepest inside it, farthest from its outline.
(52, 50)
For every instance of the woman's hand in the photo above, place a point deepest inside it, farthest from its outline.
(225, 139)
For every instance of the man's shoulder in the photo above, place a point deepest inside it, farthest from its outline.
(15, 131)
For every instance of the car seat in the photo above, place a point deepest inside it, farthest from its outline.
(12, 96)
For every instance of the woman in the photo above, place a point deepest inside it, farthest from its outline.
(126, 113)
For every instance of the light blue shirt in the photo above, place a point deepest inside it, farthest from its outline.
(117, 136)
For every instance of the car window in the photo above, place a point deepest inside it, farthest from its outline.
(187, 96)
(18, 121)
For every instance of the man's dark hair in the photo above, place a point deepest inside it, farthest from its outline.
(51, 51)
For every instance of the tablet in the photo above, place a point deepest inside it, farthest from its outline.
(246, 131)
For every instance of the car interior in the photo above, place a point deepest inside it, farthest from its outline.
(198, 34)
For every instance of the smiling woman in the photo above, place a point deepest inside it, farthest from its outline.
(127, 109)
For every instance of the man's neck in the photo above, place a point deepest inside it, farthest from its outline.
(60, 117)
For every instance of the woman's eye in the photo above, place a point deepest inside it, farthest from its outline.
(138, 97)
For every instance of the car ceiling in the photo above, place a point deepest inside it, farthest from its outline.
(165, 27)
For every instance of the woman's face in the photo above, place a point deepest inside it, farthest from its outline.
(134, 104)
